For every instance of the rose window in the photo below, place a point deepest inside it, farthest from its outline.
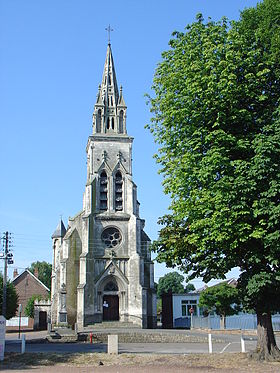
(111, 237)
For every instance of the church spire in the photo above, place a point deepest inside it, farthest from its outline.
(109, 86)
(110, 111)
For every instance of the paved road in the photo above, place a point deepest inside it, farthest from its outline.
(230, 343)
(163, 348)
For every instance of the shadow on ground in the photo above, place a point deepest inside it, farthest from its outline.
(15, 361)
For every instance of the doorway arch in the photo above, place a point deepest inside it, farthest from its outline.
(111, 300)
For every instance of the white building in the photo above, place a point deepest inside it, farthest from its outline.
(178, 308)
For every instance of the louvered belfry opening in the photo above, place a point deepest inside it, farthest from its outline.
(103, 191)
(118, 191)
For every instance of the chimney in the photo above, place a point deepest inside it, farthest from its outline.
(36, 272)
(15, 272)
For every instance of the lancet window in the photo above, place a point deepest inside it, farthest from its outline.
(98, 121)
(103, 187)
(118, 191)
(121, 122)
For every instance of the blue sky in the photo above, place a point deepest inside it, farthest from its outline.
(52, 58)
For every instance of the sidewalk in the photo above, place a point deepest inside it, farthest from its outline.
(29, 335)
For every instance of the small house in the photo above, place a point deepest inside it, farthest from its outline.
(28, 284)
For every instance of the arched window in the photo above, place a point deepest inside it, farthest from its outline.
(121, 121)
(108, 123)
(103, 187)
(111, 100)
(118, 191)
(98, 121)
(113, 123)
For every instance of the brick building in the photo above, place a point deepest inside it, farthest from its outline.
(27, 285)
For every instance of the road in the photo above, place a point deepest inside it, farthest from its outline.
(229, 342)
(159, 348)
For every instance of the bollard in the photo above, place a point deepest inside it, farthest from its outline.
(90, 337)
(210, 343)
(242, 344)
(23, 343)
(113, 347)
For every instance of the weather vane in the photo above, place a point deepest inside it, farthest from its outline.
(109, 29)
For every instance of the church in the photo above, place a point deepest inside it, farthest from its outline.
(102, 268)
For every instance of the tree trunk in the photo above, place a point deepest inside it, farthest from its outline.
(222, 322)
(266, 346)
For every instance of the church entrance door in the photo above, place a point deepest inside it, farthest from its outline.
(110, 308)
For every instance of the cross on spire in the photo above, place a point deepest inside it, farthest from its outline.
(109, 29)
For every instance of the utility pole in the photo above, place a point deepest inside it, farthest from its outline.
(7, 260)
(6, 248)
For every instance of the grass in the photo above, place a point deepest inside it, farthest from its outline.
(235, 362)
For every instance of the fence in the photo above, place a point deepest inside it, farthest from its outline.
(14, 321)
(240, 322)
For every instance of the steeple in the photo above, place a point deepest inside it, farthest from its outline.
(109, 115)
(109, 86)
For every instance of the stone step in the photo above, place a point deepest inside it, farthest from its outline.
(111, 325)
(62, 335)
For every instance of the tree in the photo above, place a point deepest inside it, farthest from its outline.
(44, 272)
(29, 309)
(221, 298)
(189, 287)
(171, 281)
(12, 298)
(216, 120)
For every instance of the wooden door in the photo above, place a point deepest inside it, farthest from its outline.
(43, 320)
(110, 308)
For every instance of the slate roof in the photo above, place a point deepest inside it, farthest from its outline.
(60, 230)
(145, 237)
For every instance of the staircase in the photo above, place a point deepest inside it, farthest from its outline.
(111, 325)
(62, 335)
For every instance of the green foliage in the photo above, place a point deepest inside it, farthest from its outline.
(216, 120)
(222, 298)
(44, 272)
(159, 306)
(156, 286)
(171, 281)
(189, 287)
(29, 309)
(260, 292)
(11, 298)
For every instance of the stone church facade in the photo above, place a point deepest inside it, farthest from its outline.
(102, 268)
